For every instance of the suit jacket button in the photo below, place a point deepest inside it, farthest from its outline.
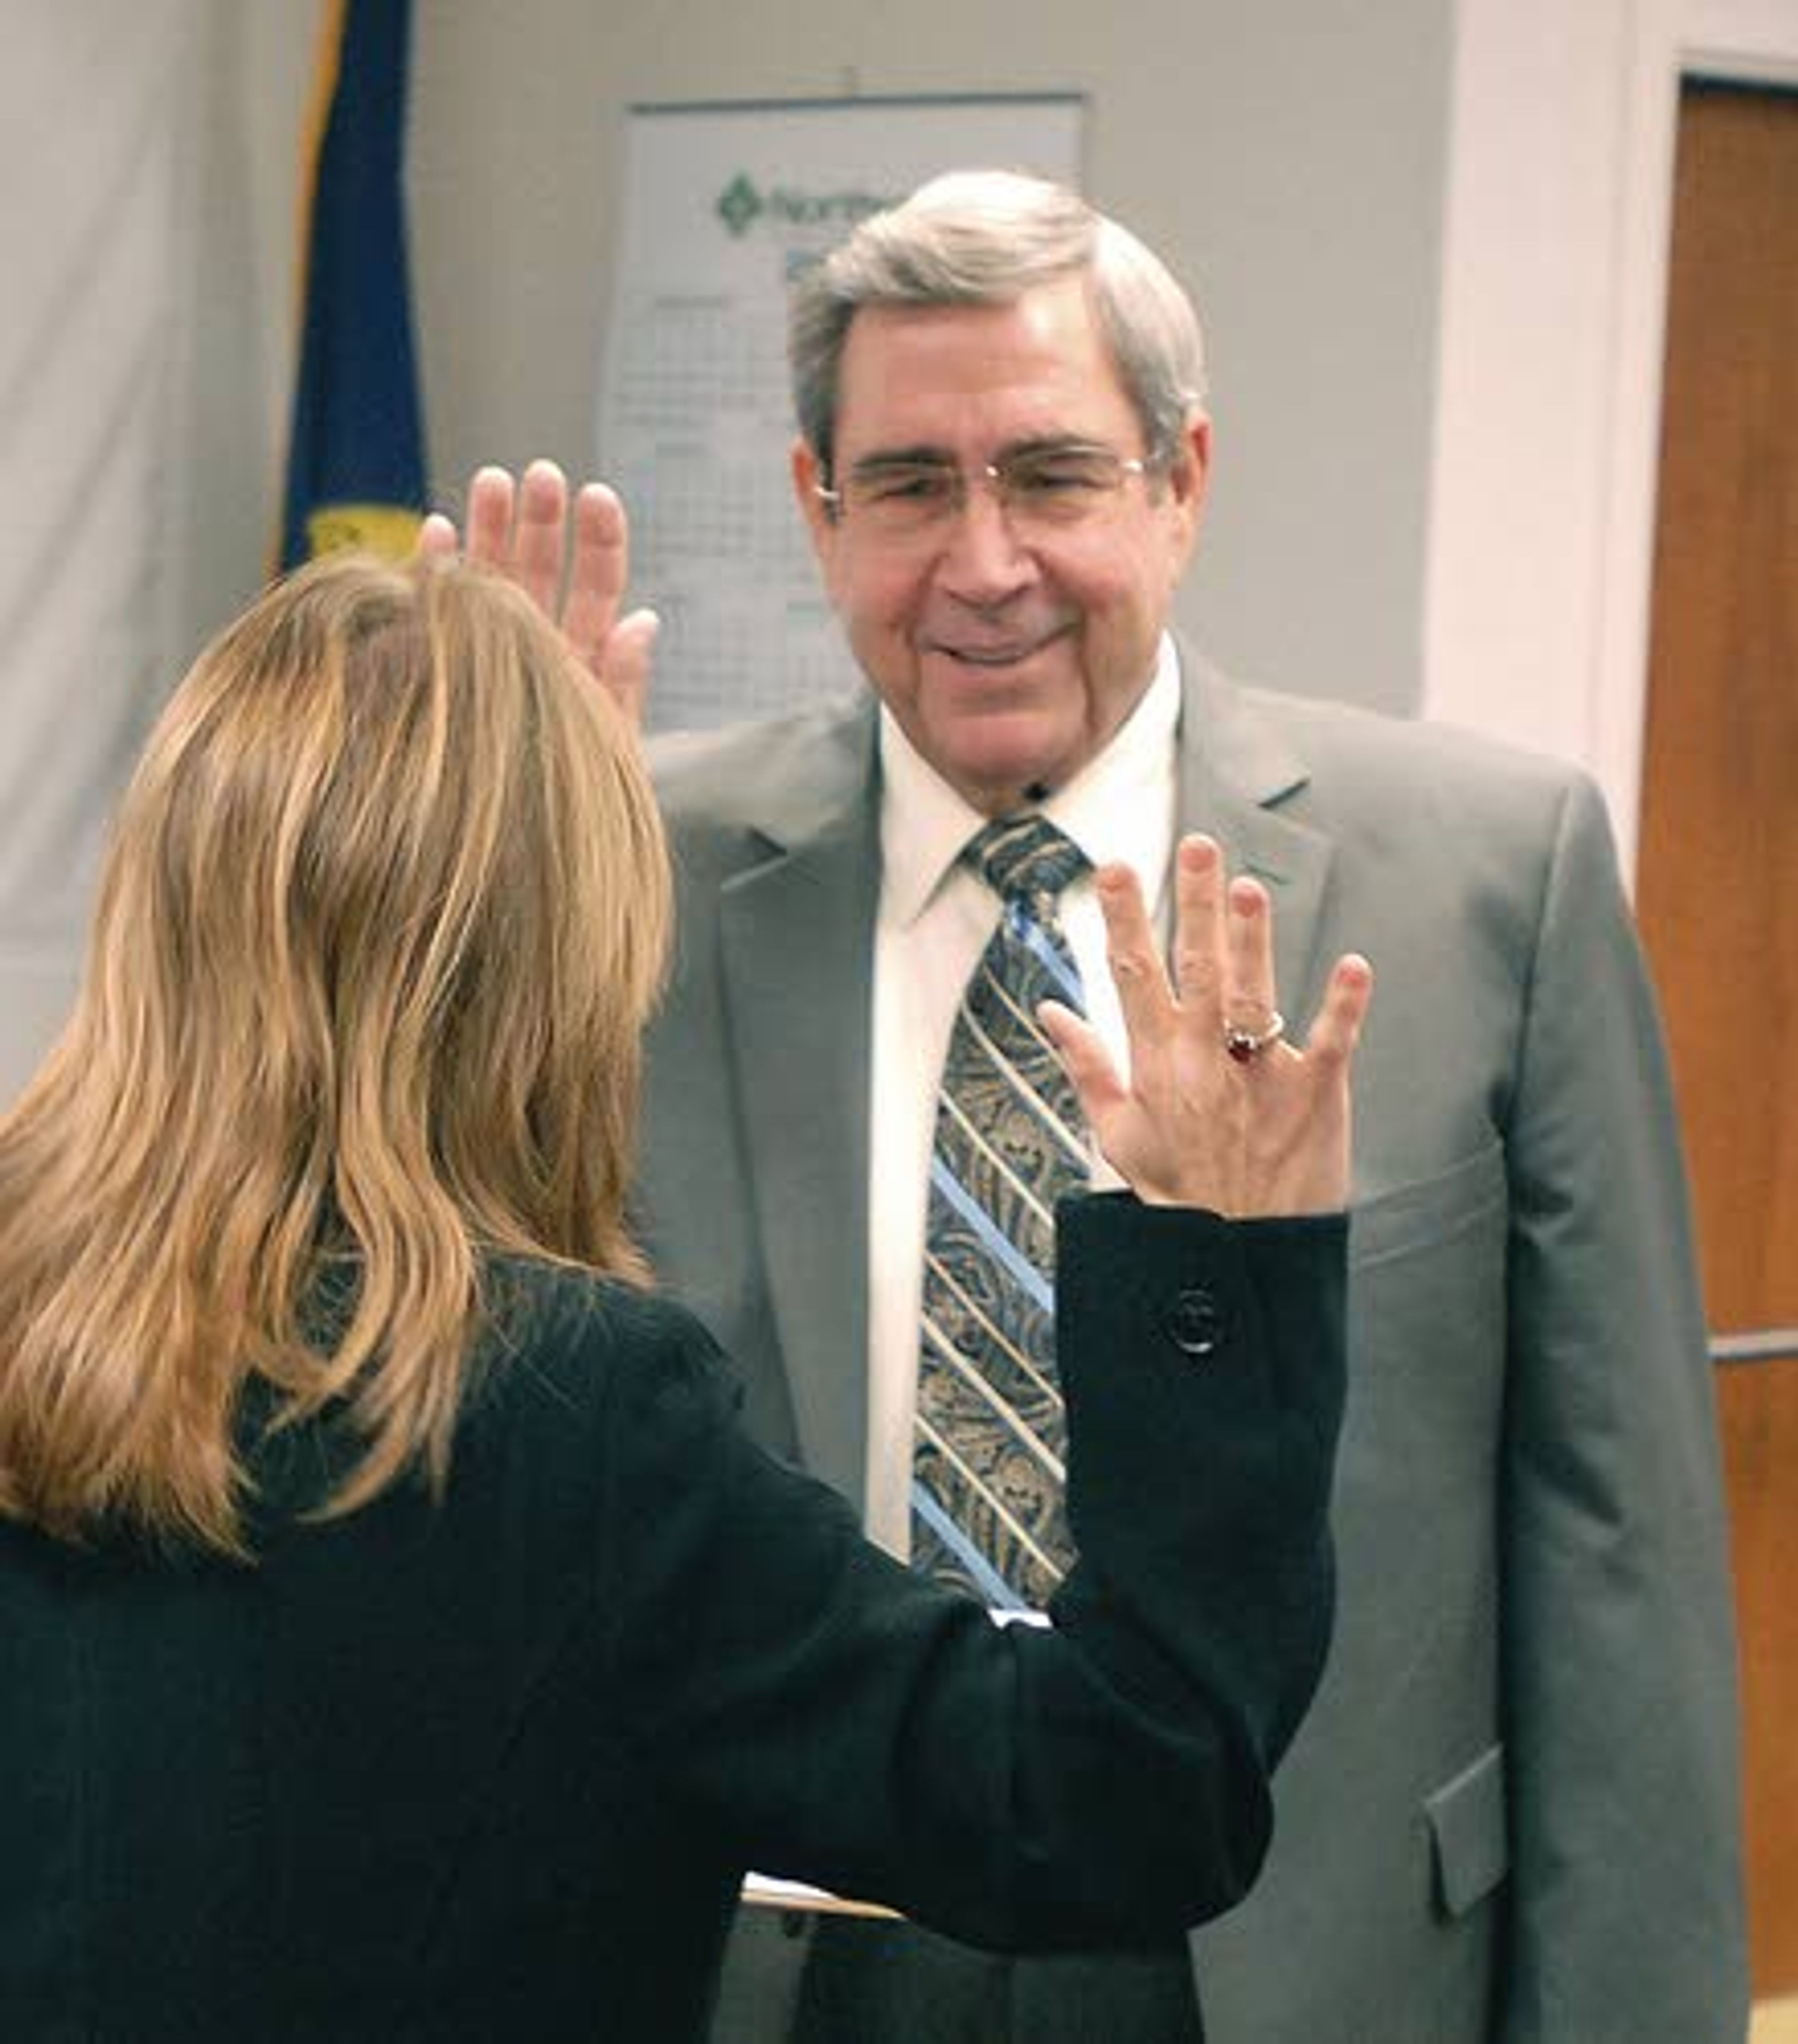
(1195, 1323)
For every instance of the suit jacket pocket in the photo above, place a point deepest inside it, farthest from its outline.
(1423, 1211)
(1468, 1838)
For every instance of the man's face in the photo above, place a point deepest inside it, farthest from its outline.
(1009, 651)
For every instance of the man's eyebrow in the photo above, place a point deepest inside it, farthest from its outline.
(911, 457)
(1053, 443)
(938, 457)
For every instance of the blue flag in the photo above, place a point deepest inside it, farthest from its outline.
(355, 461)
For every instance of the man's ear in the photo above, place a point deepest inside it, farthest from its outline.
(1189, 471)
(1187, 476)
(807, 472)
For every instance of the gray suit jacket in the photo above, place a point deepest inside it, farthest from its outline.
(1512, 1813)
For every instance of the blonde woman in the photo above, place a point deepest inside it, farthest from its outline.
(397, 1637)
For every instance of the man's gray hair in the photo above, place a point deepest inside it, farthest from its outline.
(986, 237)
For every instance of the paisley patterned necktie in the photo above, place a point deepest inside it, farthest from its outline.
(990, 1444)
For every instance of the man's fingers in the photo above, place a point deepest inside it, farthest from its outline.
(438, 537)
(541, 534)
(625, 668)
(529, 531)
(598, 572)
(487, 526)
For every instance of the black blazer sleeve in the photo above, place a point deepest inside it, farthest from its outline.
(816, 1711)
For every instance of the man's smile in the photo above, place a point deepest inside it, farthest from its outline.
(1004, 653)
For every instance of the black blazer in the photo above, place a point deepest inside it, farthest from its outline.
(493, 1768)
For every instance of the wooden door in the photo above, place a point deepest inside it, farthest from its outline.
(1718, 882)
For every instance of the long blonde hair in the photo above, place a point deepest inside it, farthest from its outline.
(386, 912)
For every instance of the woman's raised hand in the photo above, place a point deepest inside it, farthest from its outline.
(1221, 1109)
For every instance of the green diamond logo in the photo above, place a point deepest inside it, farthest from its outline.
(739, 205)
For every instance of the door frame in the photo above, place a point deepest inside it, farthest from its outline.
(1557, 220)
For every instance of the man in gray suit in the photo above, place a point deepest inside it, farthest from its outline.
(1511, 1816)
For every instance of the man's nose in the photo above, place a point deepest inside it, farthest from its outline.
(982, 560)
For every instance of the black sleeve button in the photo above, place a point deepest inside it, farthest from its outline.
(1195, 1322)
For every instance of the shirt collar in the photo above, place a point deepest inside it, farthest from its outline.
(1119, 806)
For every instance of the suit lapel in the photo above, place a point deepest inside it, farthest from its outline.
(797, 936)
(797, 956)
(1236, 767)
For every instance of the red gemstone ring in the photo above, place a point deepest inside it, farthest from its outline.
(1246, 1045)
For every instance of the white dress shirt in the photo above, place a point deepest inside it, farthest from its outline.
(933, 921)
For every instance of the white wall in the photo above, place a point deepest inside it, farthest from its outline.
(1539, 583)
(1287, 161)
(1428, 238)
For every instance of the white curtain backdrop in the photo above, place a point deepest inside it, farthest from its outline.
(91, 102)
(146, 236)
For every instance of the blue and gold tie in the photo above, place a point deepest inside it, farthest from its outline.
(990, 1449)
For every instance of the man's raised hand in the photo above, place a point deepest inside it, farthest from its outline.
(572, 557)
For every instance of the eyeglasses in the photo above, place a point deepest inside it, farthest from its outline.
(1039, 490)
